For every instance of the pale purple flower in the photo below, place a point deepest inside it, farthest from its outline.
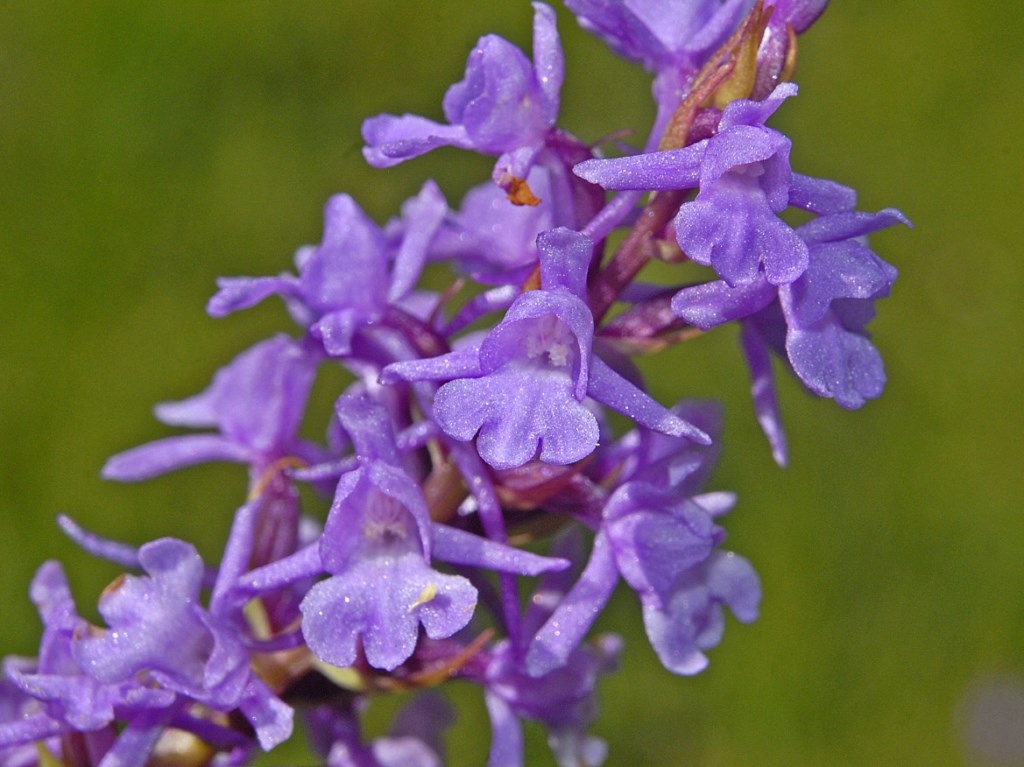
(64, 698)
(522, 390)
(377, 545)
(662, 544)
(348, 282)
(255, 403)
(818, 322)
(504, 106)
(745, 181)
(159, 629)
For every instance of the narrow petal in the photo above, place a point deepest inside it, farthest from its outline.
(715, 303)
(461, 363)
(762, 391)
(392, 139)
(271, 718)
(611, 389)
(819, 195)
(462, 548)
(548, 59)
(235, 293)
(655, 171)
(565, 628)
(164, 455)
(506, 734)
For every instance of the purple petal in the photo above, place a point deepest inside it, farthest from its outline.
(458, 364)
(565, 258)
(506, 734)
(855, 223)
(112, 551)
(518, 412)
(834, 362)
(611, 389)
(744, 145)
(235, 293)
(271, 718)
(658, 171)
(563, 631)
(335, 330)
(462, 548)
(845, 269)
(382, 601)
(548, 59)
(368, 425)
(392, 139)
(762, 391)
(421, 217)
(671, 636)
(164, 455)
(715, 303)
(731, 227)
(819, 195)
(751, 112)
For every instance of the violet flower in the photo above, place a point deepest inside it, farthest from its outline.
(64, 698)
(504, 106)
(158, 628)
(745, 181)
(523, 388)
(818, 323)
(657, 532)
(348, 282)
(256, 403)
(377, 545)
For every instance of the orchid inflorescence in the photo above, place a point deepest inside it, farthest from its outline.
(475, 423)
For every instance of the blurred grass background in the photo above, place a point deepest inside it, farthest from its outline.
(147, 148)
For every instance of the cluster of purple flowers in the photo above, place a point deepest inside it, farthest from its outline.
(476, 423)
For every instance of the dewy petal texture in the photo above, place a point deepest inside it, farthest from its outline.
(376, 546)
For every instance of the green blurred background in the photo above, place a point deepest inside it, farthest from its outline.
(148, 147)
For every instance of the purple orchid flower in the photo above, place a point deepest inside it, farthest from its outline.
(663, 545)
(818, 320)
(523, 387)
(504, 106)
(377, 545)
(256, 403)
(64, 698)
(656, 531)
(158, 628)
(745, 181)
(347, 282)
